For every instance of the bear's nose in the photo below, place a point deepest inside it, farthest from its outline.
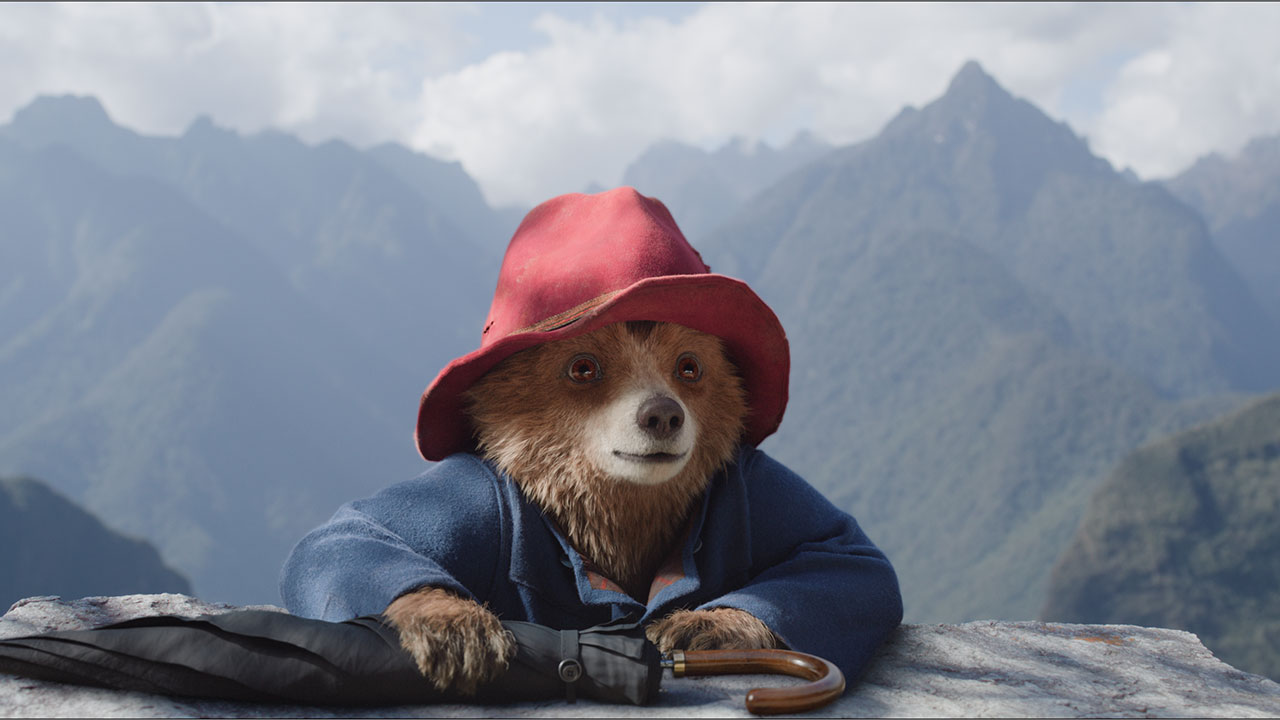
(660, 416)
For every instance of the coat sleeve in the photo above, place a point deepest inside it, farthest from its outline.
(819, 583)
(441, 529)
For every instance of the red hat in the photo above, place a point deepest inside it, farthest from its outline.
(580, 262)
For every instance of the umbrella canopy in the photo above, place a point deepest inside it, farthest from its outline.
(265, 656)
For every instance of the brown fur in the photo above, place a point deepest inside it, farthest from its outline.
(455, 642)
(530, 420)
(715, 629)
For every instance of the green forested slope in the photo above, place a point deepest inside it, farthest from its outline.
(1184, 534)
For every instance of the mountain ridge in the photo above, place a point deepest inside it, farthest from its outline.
(1240, 199)
(921, 276)
(169, 338)
(978, 331)
(54, 547)
(701, 188)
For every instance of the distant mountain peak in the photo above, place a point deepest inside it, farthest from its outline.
(203, 126)
(972, 85)
(806, 140)
(973, 99)
(971, 75)
(80, 111)
(742, 147)
(978, 119)
(1265, 148)
(78, 122)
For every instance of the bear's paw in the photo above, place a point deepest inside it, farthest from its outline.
(456, 643)
(715, 629)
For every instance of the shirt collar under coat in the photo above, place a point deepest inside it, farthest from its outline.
(540, 553)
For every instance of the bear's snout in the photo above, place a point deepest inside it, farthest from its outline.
(660, 417)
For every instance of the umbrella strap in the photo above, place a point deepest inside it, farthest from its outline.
(570, 668)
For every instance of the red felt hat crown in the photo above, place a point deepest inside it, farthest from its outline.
(580, 262)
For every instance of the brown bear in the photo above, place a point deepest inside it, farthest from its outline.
(598, 462)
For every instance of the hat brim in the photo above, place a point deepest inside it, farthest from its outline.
(715, 304)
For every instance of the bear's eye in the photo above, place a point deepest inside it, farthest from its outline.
(584, 369)
(688, 368)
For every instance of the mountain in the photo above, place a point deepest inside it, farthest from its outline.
(215, 340)
(53, 547)
(178, 385)
(1240, 199)
(702, 189)
(984, 317)
(385, 234)
(1183, 534)
(1132, 269)
(455, 194)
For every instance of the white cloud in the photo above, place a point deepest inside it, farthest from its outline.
(1153, 86)
(326, 70)
(1210, 83)
(531, 124)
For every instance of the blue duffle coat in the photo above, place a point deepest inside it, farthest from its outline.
(763, 541)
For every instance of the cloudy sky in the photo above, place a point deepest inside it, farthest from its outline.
(536, 99)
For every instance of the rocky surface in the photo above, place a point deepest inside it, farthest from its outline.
(976, 669)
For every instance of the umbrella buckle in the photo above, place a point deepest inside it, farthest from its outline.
(570, 668)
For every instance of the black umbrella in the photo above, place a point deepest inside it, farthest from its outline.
(264, 656)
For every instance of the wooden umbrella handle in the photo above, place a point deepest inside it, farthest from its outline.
(826, 682)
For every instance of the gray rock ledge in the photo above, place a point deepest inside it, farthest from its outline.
(981, 669)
